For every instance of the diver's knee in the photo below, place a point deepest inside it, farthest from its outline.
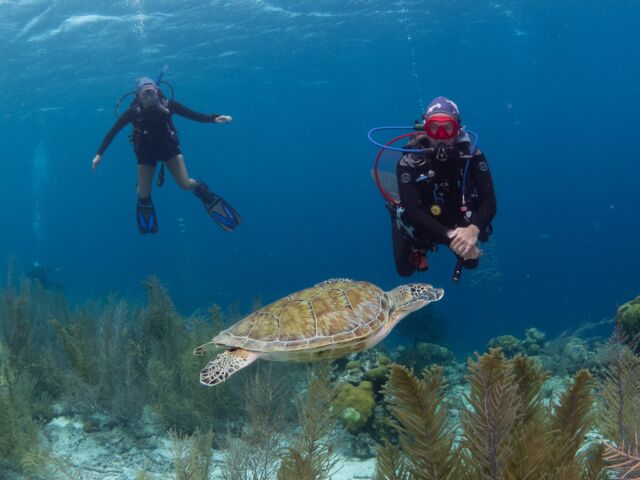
(188, 184)
(405, 270)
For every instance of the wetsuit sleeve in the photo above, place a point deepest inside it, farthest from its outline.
(124, 119)
(486, 194)
(185, 112)
(415, 213)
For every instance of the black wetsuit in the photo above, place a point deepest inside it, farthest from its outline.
(430, 188)
(154, 137)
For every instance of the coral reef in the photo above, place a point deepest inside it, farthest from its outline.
(353, 365)
(533, 343)
(423, 354)
(120, 374)
(433, 354)
(383, 360)
(377, 375)
(568, 354)
(371, 365)
(355, 405)
(509, 345)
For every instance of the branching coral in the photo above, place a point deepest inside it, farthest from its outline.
(171, 370)
(391, 463)
(106, 360)
(494, 403)
(507, 432)
(624, 460)
(17, 428)
(620, 390)
(192, 455)
(421, 422)
(255, 454)
(571, 420)
(312, 456)
(529, 440)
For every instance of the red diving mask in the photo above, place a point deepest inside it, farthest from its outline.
(441, 127)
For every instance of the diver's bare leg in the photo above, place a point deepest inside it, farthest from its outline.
(179, 171)
(145, 177)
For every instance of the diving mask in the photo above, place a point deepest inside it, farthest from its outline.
(148, 96)
(441, 127)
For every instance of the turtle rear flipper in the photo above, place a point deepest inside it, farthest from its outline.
(225, 365)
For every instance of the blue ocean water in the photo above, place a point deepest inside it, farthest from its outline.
(550, 87)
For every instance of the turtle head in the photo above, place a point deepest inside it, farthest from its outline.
(406, 299)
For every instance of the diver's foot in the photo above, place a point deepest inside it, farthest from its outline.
(217, 208)
(419, 260)
(423, 265)
(146, 216)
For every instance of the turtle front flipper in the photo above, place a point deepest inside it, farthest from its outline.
(209, 347)
(225, 365)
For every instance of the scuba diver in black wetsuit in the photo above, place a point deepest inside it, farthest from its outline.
(155, 139)
(446, 193)
(42, 275)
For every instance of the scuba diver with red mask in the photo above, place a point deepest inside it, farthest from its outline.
(155, 139)
(446, 193)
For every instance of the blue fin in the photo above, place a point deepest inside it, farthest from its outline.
(146, 216)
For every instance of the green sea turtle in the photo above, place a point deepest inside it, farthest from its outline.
(327, 321)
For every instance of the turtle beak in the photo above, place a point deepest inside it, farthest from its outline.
(428, 293)
(438, 293)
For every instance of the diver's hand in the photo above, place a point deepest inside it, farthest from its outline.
(223, 119)
(463, 240)
(96, 161)
(472, 254)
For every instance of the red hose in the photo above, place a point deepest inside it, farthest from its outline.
(375, 166)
